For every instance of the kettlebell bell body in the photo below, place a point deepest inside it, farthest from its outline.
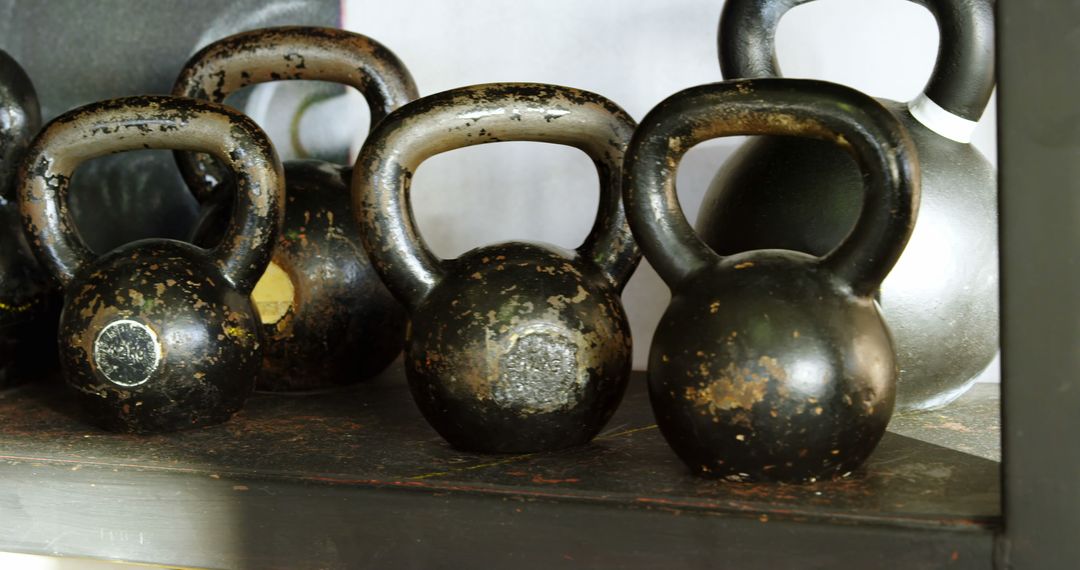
(514, 347)
(533, 354)
(772, 364)
(29, 304)
(941, 299)
(326, 317)
(157, 335)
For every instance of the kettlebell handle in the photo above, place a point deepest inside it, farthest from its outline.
(22, 120)
(153, 122)
(289, 53)
(787, 107)
(475, 115)
(963, 76)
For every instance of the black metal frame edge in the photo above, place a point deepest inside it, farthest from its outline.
(1039, 141)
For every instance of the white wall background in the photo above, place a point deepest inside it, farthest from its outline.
(635, 52)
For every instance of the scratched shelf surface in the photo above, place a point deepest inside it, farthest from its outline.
(371, 435)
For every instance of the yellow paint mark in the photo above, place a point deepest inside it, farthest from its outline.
(273, 294)
(235, 332)
(17, 308)
(744, 265)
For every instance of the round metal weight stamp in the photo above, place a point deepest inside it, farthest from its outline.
(127, 352)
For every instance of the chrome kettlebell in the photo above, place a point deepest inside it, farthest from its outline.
(772, 364)
(29, 304)
(326, 316)
(156, 335)
(515, 347)
(941, 300)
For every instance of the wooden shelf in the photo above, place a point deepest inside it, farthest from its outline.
(358, 477)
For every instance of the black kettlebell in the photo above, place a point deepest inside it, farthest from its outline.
(941, 299)
(515, 347)
(29, 304)
(772, 364)
(156, 335)
(326, 316)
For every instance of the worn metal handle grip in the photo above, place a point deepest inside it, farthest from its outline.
(963, 76)
(789, 107)
(20, 120)
(289, 53)
(153, 122)
(477, 115)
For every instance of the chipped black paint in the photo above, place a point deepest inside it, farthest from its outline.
(207, 330)
(514, 347)
(29, 304)
(191, 303)
(772, 364)
(343, 325)
(941, 301)
(288, 53)
(521, 347)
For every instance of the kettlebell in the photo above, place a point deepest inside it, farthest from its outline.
(29, 304)
(941, 300)
(514, 347)
(156, 335)
(772, 364)
(326, 316)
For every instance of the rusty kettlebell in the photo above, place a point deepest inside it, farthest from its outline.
(29, 304)
(156, 335)
(941, 299)
(772, 364)
(515, 347)
(327, 318)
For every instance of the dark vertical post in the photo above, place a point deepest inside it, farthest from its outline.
(1039, 138)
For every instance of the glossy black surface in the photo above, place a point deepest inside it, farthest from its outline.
(157, 335)
(941, 300)
(772, 364)
(514, 347)
(326, 317)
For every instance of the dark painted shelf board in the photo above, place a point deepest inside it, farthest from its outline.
(371, 436)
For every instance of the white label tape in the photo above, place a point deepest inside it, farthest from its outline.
(942, 122)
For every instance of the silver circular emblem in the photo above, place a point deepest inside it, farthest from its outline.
(127, 352)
